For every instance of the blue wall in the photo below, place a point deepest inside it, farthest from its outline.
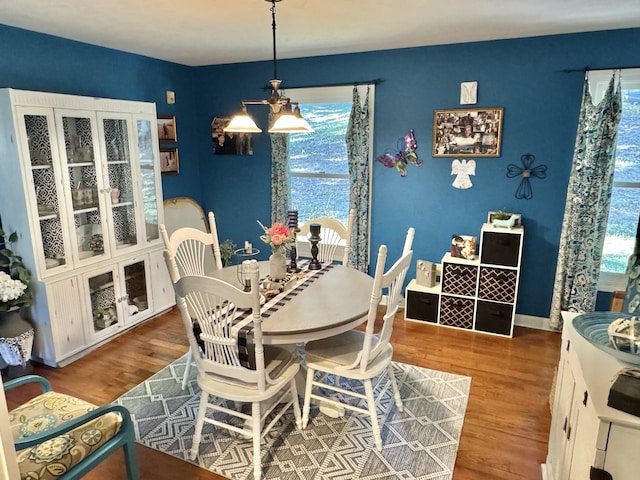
(32, 61)
(524, 76)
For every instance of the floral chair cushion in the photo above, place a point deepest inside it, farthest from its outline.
(53, 458)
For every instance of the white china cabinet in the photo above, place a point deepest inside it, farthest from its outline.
(81, 186)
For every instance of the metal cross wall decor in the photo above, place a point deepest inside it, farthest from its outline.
(524, 191)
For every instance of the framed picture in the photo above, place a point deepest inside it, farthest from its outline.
(463, 246)
(467, 132)
(169, 162)
(167, 128)
(227, 143)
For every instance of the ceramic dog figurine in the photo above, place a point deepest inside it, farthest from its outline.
(509, 223)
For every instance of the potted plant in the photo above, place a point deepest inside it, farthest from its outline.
(227, 248)
(16, 333)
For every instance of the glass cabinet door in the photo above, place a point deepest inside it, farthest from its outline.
(136, 288)
(116, 135)
(37, 127)
(84, 183)
(147, 138)
(104, 296)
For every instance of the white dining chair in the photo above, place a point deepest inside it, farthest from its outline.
(359, 355)
(332, 234)
(263, 376)
(190, 250)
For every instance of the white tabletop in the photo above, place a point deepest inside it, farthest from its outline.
(335, 302)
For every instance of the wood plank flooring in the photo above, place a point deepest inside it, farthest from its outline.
(505, 430)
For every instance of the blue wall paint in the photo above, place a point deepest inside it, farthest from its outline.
(32, 61)
(540, 117)
(523, 76)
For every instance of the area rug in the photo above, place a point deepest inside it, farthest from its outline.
(419, 443)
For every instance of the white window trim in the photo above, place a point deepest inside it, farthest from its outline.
(598, 82)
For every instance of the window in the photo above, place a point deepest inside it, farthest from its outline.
(625, 195)
(318, 165)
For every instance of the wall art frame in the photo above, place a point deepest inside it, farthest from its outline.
(467, 132)
(227, 143)
(167, 131)
(169, 161)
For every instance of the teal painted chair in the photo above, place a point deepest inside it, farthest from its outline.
(57, 436)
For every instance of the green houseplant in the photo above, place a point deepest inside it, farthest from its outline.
(227, 248)
(16, 332)
(15, 278)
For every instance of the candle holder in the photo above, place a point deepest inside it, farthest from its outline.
(243, 254)
(292, 223)
(314, 238)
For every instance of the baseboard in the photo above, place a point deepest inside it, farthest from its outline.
(529, 321)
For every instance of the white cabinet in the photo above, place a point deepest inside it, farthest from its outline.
(587, 437)
(81, 186)
(162, 288)
(66, 318)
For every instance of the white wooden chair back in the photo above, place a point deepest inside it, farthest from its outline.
(408, 241)
(332, 234)
(392, 281)
(190, 247)
(212, 305)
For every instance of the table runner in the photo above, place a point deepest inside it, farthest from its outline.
(243, 322)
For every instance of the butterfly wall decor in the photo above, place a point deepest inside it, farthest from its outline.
(407, 154)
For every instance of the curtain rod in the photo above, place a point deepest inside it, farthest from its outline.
(589, 69)
(342, 84)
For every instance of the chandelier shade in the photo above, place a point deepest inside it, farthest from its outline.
(286, 120)
(242, 123)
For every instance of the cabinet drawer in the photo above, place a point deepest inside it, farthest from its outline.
(500, 248)
(497, 284)
(422, 306)
(459, 279)
(494, 317)
(456, 311)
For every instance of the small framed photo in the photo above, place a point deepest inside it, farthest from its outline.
(467, 132)
(167, 128)
(463, 246)
(169, 162)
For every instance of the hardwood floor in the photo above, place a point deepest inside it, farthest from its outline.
(505, 430)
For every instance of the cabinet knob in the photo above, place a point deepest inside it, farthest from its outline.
(585, 398)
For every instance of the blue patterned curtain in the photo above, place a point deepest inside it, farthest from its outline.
(280, 185)
(357, 139)
(587, 208)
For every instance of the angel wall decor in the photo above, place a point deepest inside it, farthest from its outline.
(462, 169)
(407, 154)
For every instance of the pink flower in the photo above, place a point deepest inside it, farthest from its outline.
(277, 239)
(278, 229)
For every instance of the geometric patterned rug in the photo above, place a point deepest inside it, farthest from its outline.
(419, 443)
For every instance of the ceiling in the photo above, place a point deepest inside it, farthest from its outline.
(206, 32)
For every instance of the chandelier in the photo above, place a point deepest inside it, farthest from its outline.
(288, 118)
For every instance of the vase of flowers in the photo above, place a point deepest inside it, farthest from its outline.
(279, 238)
(16, 333)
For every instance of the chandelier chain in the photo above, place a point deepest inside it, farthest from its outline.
(273, 29)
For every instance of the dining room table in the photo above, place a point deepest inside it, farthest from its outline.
(314, 304)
